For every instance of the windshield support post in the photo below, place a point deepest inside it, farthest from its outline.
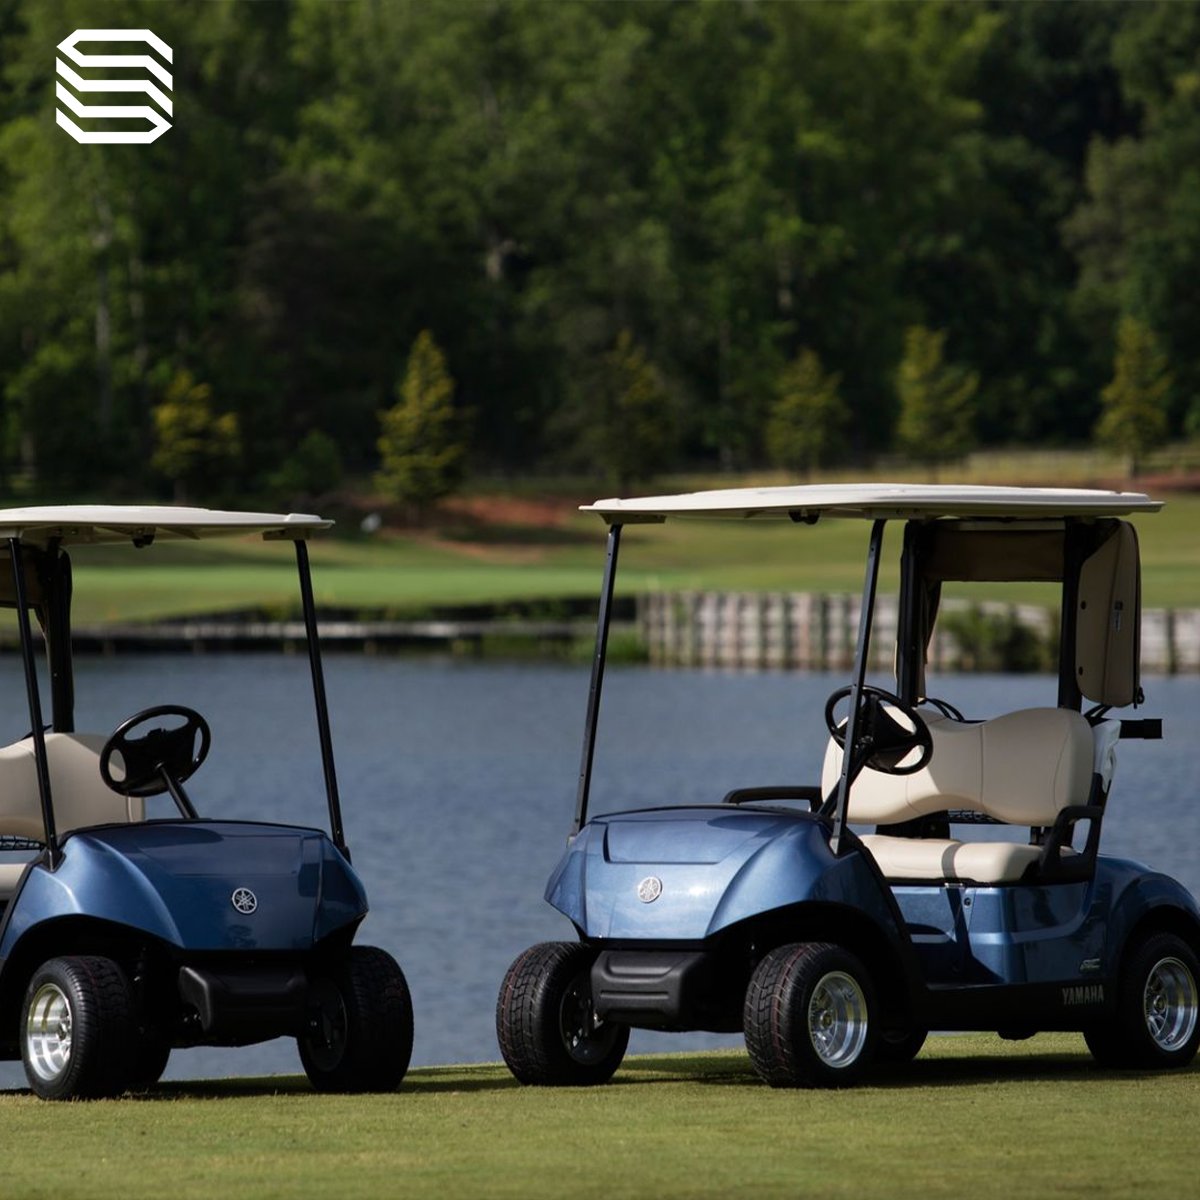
(318, 678)
(603, 620)
(37, 733)
(861, 653)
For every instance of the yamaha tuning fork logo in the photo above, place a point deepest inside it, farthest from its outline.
(142, 73)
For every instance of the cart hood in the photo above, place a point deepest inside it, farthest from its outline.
(684, 874)
(200, 885)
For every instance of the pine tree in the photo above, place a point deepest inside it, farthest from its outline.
(420, 445)
(807, 421)
(195, 447)
(1133, 417)
(936, 417)
(634, 433)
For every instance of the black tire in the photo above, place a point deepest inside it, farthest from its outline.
(809, 1017)
(362, 1025)
(1156, 1022)
(76, 1027)
(149, 1062)
(901, 1047)
(544, 1020)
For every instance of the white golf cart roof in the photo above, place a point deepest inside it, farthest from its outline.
(76, 524)
(876, 501)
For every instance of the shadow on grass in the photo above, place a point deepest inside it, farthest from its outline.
(730, 1069)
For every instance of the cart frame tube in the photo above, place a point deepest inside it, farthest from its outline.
(318, 678)
(603, 620)
(37, 733)
(865, 616)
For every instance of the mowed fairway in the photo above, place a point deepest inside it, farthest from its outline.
(972, 1117)
(506, 562)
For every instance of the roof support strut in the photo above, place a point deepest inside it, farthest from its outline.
(35, 701)
(865, 614)
(318, 678)
(593, 704)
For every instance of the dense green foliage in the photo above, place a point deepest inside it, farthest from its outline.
(560, 193)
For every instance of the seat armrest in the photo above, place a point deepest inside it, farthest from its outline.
(1051, 864)
(752, 795)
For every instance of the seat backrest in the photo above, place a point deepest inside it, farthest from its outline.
(81, 797)
(1020, 768)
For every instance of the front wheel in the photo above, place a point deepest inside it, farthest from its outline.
(1158, 1003)
(361, 1027)
(76, 1026)
(547, 1028)
(809, 1017)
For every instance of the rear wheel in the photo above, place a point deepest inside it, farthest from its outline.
(361, 1028)
(545, 1022)
(810, 1017)
(76, 1027)
(1157, 1019)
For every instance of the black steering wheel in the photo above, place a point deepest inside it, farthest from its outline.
(880, 741)
(159, 758)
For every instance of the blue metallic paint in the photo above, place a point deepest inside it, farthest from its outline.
(1035, 933)
(174, 880)
(718, 867)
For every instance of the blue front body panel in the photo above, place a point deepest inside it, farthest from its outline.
(174, 880)
(717, 866)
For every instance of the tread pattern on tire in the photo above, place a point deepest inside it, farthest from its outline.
(379, 1026)
(102, 1027)
(775, 1016)
(527, 1019)
(1124, 1041)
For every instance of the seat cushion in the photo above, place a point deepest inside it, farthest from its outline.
(10, 876)
(946, 859)
(1020, 768)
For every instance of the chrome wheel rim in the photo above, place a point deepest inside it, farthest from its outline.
(1169, 1004)
(837, 1019)
(586, 1038)
(48, 1033)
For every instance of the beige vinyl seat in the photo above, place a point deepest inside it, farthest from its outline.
(1022, 768)
(81, 798)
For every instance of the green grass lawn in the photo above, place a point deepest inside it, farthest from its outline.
(972, 1117)
(504, 563)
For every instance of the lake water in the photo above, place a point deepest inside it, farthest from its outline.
(458, 787)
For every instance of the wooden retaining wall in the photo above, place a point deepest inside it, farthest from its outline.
(801, 630)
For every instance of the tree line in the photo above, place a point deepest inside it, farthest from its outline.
(612, 238)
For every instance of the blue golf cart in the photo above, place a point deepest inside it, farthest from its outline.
(836, 922)
(125, 932)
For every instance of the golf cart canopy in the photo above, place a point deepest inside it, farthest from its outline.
(876, 501)
(81, 524)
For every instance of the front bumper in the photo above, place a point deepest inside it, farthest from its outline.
(235, 1006)
(667, 989)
